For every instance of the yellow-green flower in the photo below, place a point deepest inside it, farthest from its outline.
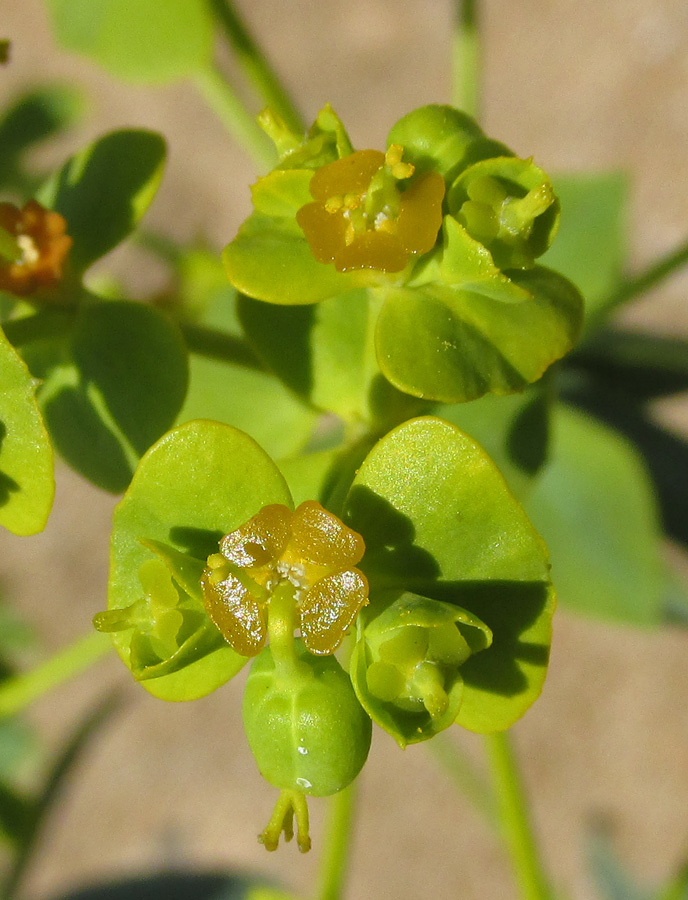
(311, 552)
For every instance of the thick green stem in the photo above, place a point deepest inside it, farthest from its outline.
(466, 57)
(334, 864)
(255, 64)
(514, 818)
(18, 692)
(239, 122)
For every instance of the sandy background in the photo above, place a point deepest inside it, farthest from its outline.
(580, 85)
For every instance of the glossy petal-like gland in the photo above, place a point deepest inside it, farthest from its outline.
(320, 538)
(350, 175)
(330, 608)
(420, 213)
(41, 236)
(236, 612)
(261, 540)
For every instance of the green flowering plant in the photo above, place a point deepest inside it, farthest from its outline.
(307, 494)
(442, 232)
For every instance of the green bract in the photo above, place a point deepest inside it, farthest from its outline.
(26, 458)
(198, 483)
(439, 520)
(307, 731)
(469, 316)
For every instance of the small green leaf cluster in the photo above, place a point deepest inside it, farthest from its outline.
(471, 313)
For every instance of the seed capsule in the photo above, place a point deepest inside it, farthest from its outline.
(306, 729)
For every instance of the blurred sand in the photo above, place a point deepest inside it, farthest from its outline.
(580, 86)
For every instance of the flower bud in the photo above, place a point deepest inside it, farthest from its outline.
(406, 666)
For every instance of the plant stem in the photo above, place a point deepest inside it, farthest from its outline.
(239, 122)
(466, 57)
(18, 692)
(514, 818)
(465, 776)
(255, 64)
(333, 867)
(216, 344)
(652, 276)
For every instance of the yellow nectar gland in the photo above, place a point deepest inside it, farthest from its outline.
(365, 217)
(41, 237)
(311, 553)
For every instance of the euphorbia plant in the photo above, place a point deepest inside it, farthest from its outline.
(371, 564)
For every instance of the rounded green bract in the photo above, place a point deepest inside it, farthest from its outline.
(306, 729)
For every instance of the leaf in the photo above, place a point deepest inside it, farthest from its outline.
(228, 392)
(594, 506)
(113, 386)
(450, 529)
(104, 190)
(456, 343)
(145, 41)
(591, 244)
(515, 431)
(37, 115)
(198, 483)
(612, 879)
(322, 353)
(27, 483)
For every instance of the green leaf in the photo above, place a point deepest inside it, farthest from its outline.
(450, 529)
(198, 483)
(514, 429)
(594, 506)
(591, 243)
(37, 115)
(104, 190)
(112, 386)
(456, 343)
(322, 353)
(27, 484)
(143, 41)
(227, 392)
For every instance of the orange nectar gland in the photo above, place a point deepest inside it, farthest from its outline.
(371, 213)
(308, 555)
(43, 246)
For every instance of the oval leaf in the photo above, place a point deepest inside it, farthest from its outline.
(451, 530)
(104, 190)
(456, 343)
(146, 41)
(594, 502)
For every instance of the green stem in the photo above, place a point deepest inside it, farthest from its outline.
(464, 774)
(514, 818)
(255, 64)
(18, 692)
(334, 864)
(466, 57)
(281, 627)
(652, 276)
(220, 345)
(232, 112)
